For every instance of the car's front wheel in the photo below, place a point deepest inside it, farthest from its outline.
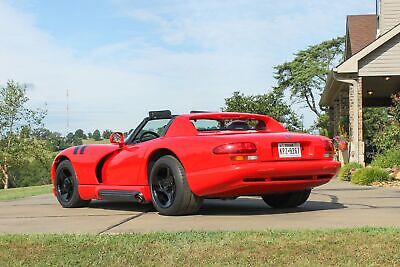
(287, 200)
(170, 191)
(66, 186)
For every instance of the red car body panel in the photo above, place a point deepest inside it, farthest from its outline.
(110, 167)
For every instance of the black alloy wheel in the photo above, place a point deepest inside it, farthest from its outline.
(163, 186)
(66, 186)
(170, 192)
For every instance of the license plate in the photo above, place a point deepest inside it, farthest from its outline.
(289, 150)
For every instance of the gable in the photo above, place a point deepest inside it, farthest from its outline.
(351, 65)
(390, 15)
(385, 60)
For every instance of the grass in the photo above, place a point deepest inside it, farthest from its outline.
(21, 192)
(351, 247)
(92, 141)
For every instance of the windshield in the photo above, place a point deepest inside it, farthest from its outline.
(228, 125)
(151, 130)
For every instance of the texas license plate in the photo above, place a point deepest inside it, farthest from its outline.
(289, 150)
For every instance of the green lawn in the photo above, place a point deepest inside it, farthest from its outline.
(21, 192)
(92, 141)
(354, 247)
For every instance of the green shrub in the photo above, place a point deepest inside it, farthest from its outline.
(367, 176)
(387, 138)
(31, 173)
(388, 159)
(347, 169)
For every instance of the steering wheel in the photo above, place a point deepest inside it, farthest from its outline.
(156, 135)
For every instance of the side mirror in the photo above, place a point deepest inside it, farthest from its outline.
(117, 138)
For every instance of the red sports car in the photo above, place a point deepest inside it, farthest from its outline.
(177, 161)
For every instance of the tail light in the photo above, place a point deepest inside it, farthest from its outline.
(329, 152)
(236, 148)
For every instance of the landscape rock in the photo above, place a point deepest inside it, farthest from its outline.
(397, 176)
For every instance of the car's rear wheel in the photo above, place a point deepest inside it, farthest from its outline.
(287, 200)
(170, 191)
(66, 186)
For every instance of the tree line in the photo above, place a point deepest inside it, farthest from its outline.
(27, 148)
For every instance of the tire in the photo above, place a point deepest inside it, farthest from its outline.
(169, 189)
(66, 186)
(287, 200)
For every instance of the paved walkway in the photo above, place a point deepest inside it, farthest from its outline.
(335, 205)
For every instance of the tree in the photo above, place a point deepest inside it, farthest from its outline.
(305, 76)
(387, 133)
(322, 125)
(80, 134)
(107, 134)
(96, 135)
(271, 104)
(73, 139)
(17, 125)
(55, 141)
(374, 119)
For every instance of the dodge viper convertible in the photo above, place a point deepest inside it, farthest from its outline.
(177, 161)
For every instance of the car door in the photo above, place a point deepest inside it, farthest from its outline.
(124, 165)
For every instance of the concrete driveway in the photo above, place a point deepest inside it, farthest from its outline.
(335, 205)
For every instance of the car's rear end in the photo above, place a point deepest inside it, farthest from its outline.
(256, 156)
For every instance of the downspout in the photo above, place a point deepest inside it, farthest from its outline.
(355, 135)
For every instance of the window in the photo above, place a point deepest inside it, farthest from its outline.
(228, 125)
(207, 125)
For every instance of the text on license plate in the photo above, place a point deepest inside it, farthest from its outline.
(289, 150)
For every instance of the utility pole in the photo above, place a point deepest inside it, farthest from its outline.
(67, 111)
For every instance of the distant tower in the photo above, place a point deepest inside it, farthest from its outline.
(67, 111)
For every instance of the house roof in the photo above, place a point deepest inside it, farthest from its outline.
(361, 31)
(351, 64)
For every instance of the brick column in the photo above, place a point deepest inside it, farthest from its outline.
(344, 104)
(331, 114)
(356, 122)
(336, 116)
(344, 111)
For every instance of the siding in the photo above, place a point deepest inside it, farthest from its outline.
(385, 60)
(390, 15)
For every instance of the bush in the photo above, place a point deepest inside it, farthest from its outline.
(367, 176)
(31, 173)
(388, 159)
(387, 138)
(347, 169)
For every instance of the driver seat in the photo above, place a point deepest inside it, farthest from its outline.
(238, 125)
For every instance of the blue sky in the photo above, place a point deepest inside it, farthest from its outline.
(121, 58)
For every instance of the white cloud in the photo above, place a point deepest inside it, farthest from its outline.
(204, 50)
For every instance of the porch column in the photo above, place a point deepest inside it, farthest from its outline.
(344, 111)
(336, 116)
(331, 114)
(356, 122)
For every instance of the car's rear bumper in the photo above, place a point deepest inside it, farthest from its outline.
(258, 178)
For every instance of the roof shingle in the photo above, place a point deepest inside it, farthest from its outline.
(361, 31)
